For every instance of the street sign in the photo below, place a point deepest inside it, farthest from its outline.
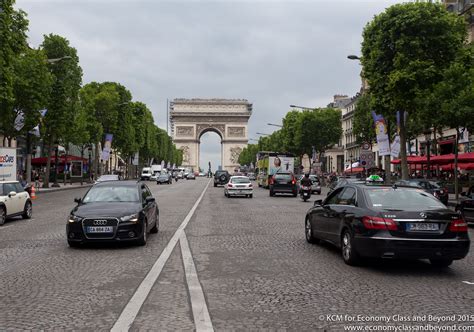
(366, 156)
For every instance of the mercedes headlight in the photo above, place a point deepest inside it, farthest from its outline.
(131, 218)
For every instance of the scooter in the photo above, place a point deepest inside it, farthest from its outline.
(305, 193)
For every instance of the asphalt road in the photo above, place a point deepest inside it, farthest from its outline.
(255, 270)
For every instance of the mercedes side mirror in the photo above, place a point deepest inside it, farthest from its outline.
(149, 200)
(78, 200)
(318, 202)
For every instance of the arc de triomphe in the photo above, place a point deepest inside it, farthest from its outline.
(191, 118)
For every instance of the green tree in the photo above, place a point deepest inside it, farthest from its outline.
(67, 78)
(404, 53)
(248, 155)
(363, 121)
(13, 41)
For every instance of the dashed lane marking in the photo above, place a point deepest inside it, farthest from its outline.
(130, 312)
(468, 282)
(202, 320)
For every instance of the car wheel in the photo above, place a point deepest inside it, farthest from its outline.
(73, 244)
(309, 232)
(272, 193)
(142, 240)
(349, 255)
(295, 194)
(441, 262)
(251, 195)
(215, 184)
(3, 215)
(27, 210)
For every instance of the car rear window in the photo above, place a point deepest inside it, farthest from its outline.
(401, 199)
(283, 176)
(240, 180)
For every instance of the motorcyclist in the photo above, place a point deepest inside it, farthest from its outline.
(306, 181)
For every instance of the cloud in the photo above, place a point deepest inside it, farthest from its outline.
(273, 53)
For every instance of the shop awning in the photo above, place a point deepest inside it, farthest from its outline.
(463, 166)
(467, 157)
(61, 159)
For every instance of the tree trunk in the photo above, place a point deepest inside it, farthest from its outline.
(28, 157)
(456, 152)
(48, 164)
(82, 167)
(388, 173)
(403, 147)
(65, 165)
(96, 161)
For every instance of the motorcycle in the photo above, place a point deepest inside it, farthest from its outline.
(305, 192)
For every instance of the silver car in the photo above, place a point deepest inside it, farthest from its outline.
(238, 186)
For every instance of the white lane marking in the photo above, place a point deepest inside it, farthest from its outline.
(202, 320)
(130, 312)
(468, 282)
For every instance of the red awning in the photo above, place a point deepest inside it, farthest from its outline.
(354, 170)
(44, 160)
(463, 166)
(467, 157)
(411, 160)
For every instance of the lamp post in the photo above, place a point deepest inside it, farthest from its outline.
(351, 156)
(263, 134)
(275, 125)
(56, 166)
(427, 134)
(354, 57)
(302, 107)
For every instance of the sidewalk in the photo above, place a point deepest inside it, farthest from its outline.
(62, 187)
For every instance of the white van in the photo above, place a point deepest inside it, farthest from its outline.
(146, 173)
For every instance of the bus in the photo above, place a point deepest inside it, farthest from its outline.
(269, 163)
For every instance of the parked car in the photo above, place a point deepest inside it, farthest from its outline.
(433, 187)
(14, 201)
(221, 177)
(238, 186)
(164, 178)
(113, 211)
(107, 177)
(342, 181)
(315, 187)
(154, 176)
(191, 176)
(252, 176)
(388, 222)
(202, 174)
(466, 205)
(146, 174)
(283, 183)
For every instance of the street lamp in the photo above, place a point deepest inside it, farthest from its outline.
(275, 125)
(351, 156)
(353, 57)
(56, 166)
(51, 61)
(253, 139)
(302, 107)
(427, 134)
(263, 134)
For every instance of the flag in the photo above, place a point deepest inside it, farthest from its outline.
(381, 134)
(107, 147)
(43, 112)
(35, 131)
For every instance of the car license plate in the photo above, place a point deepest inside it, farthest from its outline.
(100, 229)
(305, 194)
(423, 227)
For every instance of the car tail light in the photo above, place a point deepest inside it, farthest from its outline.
(458, 226)
(293, 181)
(229, 185)
(379, 223)
(250, 185)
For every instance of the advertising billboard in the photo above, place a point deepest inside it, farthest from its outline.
(281, 163)
(7, 164)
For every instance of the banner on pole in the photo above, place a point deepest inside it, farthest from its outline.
(107, 147)
(382, 135)
(395, 147)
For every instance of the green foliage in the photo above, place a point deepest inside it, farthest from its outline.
(248, 155)
(363, 123)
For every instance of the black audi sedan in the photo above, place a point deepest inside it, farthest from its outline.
(388, 222)
(114, 211)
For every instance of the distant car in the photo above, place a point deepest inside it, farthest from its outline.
(221, 177)
(388, 222)
(252, 176)
(315, 187)
(191, 176)
(433, 187)
(14, 201)
(283, 183)
(164, 178)
(466, 205)
(113, 211)
(202, 174)
(107, 177)
(154, 176)
(180, 175)
(342, 181)
(238, 186)
(146, 174)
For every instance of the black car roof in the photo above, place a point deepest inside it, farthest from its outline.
(126, 183)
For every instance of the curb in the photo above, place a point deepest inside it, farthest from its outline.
(52, 190)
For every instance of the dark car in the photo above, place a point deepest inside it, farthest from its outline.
(221, 177)
(466, 205)
(283, 183)
(433, 187)
(191, 176)
(164, 178)
(315, 187)
(114, 211)
(388, 222)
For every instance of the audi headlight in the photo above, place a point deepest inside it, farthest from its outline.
(131, 218)
(73, 218)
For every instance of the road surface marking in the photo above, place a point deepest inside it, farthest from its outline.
(468, 282)
(131, 310)
(202, 320)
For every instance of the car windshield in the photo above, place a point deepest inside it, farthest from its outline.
(112, 194)
(240, 180)
(107, 178)
(164, 176)
(401, 199)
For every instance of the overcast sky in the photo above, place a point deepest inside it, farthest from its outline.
(273, 53)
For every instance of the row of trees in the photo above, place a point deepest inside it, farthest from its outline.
(416, 62)
(50, 78)
(301, 133)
